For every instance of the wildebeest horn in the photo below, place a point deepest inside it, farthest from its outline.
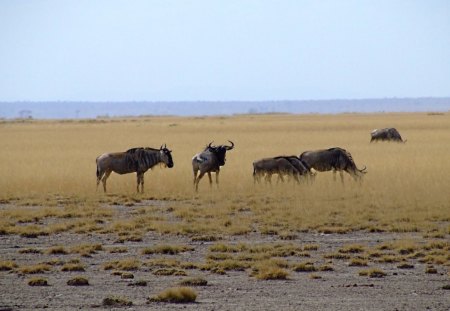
(363, 169)
(160, 148)
(209, 146)
(230, 147)
(165, 146)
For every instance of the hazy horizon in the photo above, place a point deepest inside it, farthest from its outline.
(81, 110)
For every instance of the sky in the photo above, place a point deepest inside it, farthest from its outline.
(91, 50)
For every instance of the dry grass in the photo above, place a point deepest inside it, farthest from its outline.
(194, 281)
(175, 295)
(37, 282)
(116, 301)
(78, 281)
(127, 264)
(405, 189)
(7, 265)
(34, 269)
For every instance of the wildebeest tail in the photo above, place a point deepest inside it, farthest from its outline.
(98, 168)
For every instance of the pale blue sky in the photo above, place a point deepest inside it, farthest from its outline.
(223, 50)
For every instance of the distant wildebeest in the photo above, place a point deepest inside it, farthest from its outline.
(208, 161)
(282, 165)
(335, 159)
(389, 134)
(137, 160)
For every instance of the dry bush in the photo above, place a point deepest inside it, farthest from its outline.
(116, 301)
(304, 267)
(69, 267)
(57, 250)
(175, 295)
(358, 262)
(34, 269)
(167, 249)
(7, 265)
(30, 251)
(373, 273)
(37, 282)
(194, 281)
(128, 264)
(78, 281)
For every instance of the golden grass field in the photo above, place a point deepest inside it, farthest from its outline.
(398, 218)
(406, 187)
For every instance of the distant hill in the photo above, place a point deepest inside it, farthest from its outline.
(73, 109)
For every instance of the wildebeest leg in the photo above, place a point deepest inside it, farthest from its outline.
(210, 179)
(269, 178)
(334, 175)
(217, 179)
(342, 176)
(140, 181)
(198, 180)
(195, 175)
(105, 177)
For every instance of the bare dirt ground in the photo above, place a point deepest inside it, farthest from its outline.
(341, 289)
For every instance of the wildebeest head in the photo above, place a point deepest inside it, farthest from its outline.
(166, 156)
(220, 151)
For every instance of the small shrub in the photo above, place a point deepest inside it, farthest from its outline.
(129, 264)
(352, 249)
(37, 282)
(431, 270)
(357, 262)
(446, 287)
(405, 265)
(33, 269)
(336, 256)
(196, 281)
(57, 250)
(7, 265)
(30, 251)
(176, 295)
(325, 268)
(138, 283)
(78, 281)
(205, 238)
(166, 249)
(120, 250)
(271, 273)
(116, 301)
(314, 276)
(127, 275)
(68, 267)
(305, 267)
(170, 272)
(373, 273)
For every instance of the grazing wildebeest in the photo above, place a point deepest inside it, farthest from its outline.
(388, 134)
(208, 161)
(278, 165)
(303, 168)
(335, 159)
(137, 160)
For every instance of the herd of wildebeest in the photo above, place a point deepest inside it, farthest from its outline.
(302, 167)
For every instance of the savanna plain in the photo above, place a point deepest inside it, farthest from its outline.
(382, 244)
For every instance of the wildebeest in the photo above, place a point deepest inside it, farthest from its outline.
(388, 134)
(208, 161)
(268, 166)
(137, 160)
(282, 165)
(335, 159)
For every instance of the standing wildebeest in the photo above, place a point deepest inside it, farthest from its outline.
(278, 165)
(137, 160)
(389, 134)
(208, 161)
(335, 159)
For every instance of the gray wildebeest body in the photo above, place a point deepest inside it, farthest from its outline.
(387, 134)
(137, 160)
(278, 165)
(208, 161)
(333, 159)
